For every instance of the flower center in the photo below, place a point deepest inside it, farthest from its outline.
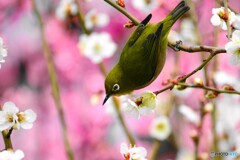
(223, 15)
(97, 47)
(147, 1)
(160, 126)
(9, 117)
(127, 156)
(94, 19)
(21, 117)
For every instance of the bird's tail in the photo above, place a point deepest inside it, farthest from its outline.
(178, 11)
(169, 21)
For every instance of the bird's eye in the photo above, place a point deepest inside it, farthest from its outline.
(115, 88)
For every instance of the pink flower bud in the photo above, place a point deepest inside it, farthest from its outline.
(227, 87)
(121, 3)
(129, 24)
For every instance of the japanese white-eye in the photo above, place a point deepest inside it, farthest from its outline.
(143, 56)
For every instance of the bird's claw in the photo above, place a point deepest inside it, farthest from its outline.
(176, 46)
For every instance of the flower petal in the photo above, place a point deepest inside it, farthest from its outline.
(123, 148)
(236, 36)
(30, 115)
(10, 107)
(215, 20)
(234, 59)
(231, 47)
(26, 125)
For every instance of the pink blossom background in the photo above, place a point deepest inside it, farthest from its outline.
(94, 130)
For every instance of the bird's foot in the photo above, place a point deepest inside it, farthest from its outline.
(176, 46)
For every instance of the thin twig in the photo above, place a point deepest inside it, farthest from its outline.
(208, 88)
(190, 74)
(123, 11)
(221, 3)
(197, 48)
(155, 149)
(7, 139)
(229, 28)
(81, 19)
(54, 83)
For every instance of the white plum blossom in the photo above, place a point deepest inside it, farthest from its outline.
(11, 117)
(11, 155)
(189, 114)
(236, 22)
(143, 105)
(160, 128)
(233, 47)
(66, 8)
(144, 5)
(97, 46)
(133, 153)
(96, 19)
(220, 17)
(3, 52)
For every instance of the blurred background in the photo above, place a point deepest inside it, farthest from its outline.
(94, 131)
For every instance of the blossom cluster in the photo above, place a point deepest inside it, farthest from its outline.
(12, 118)
(222, 17)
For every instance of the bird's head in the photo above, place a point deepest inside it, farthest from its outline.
(115, 84)
(112, 86)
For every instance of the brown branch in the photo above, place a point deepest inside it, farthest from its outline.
(208, 88)
(229, 28)
(123, 11)
(7, 138)
(189, 74)
(54, 83)
(196, 48)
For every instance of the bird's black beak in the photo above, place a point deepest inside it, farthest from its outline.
(106, 98)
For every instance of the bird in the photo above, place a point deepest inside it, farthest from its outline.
(143, 56)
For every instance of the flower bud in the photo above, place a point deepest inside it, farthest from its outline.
(227, 87)
(211, 95)
(180, 87)
(129, 24)
(121, 3)
(166, 82)
(179, 78)
(198, 81)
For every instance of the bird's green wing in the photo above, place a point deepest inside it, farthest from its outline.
(140, 61)
(137, 33)
(152, 47)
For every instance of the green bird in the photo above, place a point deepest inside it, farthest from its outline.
(143, 56)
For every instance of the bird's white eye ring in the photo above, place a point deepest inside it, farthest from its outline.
(115, 88)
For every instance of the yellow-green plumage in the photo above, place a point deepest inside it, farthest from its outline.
(143, 56)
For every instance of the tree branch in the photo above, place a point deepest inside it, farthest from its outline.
(207, 88)
(123, 11)
(189, 74)
(54, 83)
